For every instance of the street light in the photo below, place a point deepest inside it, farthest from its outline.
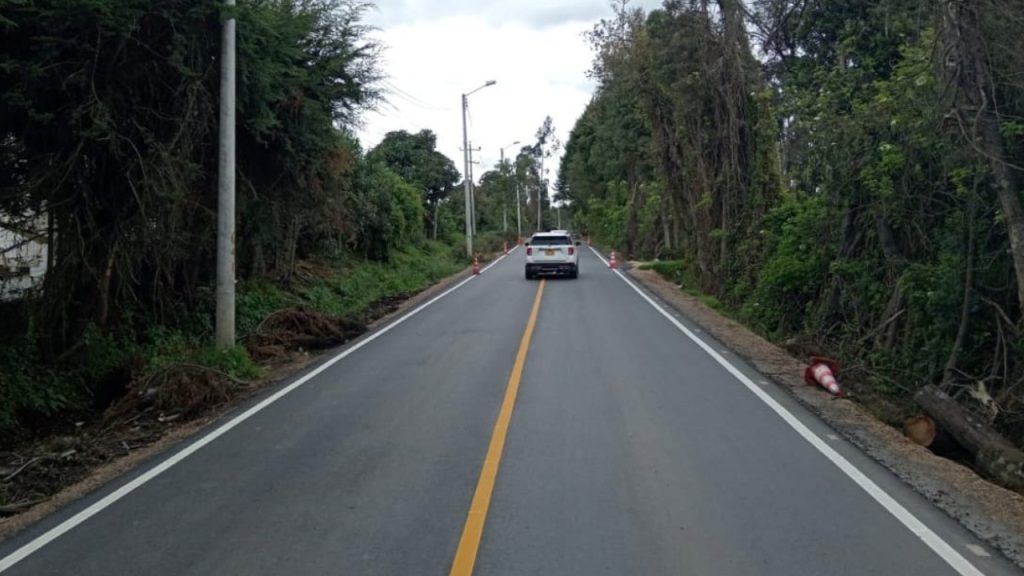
(504, 208)
(465, 173)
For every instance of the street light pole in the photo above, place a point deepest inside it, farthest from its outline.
(224, 324)
(465, 176)
(466, 172)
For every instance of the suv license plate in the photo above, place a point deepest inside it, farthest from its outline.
(549, 252)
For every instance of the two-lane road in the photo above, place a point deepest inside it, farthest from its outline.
(512, 427)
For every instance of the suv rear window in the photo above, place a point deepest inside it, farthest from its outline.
(550, 241)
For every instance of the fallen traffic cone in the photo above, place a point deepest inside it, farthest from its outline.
(822, 371)
(612, 262)
(476, 264)
(506, 248)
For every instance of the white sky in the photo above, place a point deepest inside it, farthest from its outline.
(436, 50)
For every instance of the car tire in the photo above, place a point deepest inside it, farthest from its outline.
(528, 275)
(575, 273)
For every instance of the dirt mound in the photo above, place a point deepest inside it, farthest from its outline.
(300, 328)
(179, 391)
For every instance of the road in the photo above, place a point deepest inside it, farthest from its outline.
(512, 427)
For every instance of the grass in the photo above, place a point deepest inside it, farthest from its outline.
(357, 285)
(675, 271)
(105, 359)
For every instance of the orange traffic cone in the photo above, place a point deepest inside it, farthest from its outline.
(476, 264)
(612, 262)
(822, 371)
(506, 248)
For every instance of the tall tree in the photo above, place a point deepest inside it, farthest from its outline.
(415, 158)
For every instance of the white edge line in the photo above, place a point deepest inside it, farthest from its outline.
(491, 265)
(957, 561)
(95, 508)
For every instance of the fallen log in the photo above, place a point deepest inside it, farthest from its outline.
(993, 455)
(920, 430)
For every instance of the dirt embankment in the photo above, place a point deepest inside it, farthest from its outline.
(994, 514)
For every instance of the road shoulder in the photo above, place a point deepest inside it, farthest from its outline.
(993, 514)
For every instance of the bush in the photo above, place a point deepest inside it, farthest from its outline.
(28, 385)
(796, 266)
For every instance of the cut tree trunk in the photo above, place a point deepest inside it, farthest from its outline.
(994, 456)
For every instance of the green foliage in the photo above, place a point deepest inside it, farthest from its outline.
(28, 385)
(797, 258)
(826, 193)
(387, 211)
(108, 124)
(254, 301)
(681, 273)
(359, 284)
(233, 361)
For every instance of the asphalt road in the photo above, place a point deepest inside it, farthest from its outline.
(623, 446)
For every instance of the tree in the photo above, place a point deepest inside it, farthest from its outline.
(978, 107)
(109, 113)
(857, 191)
(415, 158)
(544, 148)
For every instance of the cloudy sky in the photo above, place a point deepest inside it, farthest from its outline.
(437, 49)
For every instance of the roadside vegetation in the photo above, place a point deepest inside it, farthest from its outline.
(844, 177)
(108, 135)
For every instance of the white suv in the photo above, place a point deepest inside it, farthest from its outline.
(552, 253)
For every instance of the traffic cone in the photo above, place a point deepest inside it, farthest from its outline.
(822, 371)
(476, 264)
(612, 262)
(506, 248)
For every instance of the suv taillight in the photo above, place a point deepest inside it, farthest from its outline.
(529, 251)
(571, 250)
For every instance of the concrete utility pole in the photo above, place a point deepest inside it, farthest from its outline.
(224, 331)
(472, 187)
(465, 176)
(540, 198)
(466, 171)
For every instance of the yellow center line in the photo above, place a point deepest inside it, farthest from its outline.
(472, 532)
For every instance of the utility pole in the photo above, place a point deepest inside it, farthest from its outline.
(224, 331)
(472, 189)
(467, 178)
(540, 191)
